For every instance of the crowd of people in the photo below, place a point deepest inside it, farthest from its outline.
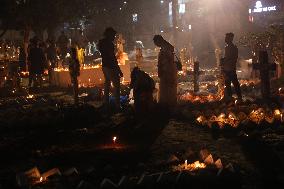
(143, 85)
(43, 56)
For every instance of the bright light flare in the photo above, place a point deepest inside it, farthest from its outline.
(114, 139)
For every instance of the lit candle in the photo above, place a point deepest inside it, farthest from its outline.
(185, 164)
(280, 90)
(114, 139)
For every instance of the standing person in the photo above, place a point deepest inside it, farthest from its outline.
(111, 69)
(37, 61)
(74, 69)
(62, 42)
(228, 65)
(167, 72)
(22, 59)
(51, 58)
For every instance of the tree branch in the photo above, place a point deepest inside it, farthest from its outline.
(3, 33)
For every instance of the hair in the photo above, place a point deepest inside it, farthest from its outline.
(158, 38)
(109, 31)
(231, 35)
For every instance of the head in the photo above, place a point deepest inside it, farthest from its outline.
(110, 33)
(158, 40)
(229, 38)
(34, 41)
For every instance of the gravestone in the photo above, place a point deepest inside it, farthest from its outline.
(264, 68)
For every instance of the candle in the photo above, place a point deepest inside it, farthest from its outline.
(185, 164)
(114, 139)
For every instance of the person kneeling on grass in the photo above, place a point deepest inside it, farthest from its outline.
(143, 87)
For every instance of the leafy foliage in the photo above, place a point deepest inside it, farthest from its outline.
(42, 14)
(271, 40)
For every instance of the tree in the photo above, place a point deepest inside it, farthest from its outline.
(40, 15)
(272, 40)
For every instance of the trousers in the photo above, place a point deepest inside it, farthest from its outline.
(111, 75)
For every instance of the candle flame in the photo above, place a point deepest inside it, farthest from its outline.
(199, 119)
(114, 139)
(30, 96)
(277, 112)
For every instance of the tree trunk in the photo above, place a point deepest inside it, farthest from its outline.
(282, 66)
(51, 34)
(26, 43)
(175, 24)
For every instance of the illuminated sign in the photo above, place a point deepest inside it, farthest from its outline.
(182, 8)
(259, 8)
(135, 17)
(171, 8)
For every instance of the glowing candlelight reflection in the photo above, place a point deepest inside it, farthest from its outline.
(114, 139)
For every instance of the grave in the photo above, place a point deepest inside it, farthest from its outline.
(264, 68)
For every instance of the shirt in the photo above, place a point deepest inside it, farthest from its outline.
(231, 57)
(106, 48)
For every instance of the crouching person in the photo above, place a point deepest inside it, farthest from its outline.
(143, 87)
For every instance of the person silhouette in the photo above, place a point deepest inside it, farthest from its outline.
(167, 72)
(110, 67)
(228, 65)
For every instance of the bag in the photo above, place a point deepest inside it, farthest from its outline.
(178, 63)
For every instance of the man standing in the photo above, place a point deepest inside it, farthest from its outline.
(62, 43)
(37, 62)
(228, 64)
(111, 69)
(167, 72)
